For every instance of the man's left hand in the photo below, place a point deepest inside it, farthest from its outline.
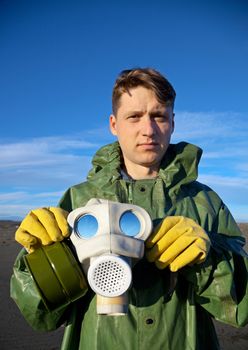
(177, 241)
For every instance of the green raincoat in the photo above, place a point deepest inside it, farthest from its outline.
(170, 311)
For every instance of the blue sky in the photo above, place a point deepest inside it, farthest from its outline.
(58, 63)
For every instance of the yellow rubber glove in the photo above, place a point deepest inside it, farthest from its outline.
(178, 241)
(42, 226)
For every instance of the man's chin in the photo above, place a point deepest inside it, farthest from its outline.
(149, 162)
(150, 157)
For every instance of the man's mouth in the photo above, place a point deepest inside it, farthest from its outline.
(144, 143)
(148, 144)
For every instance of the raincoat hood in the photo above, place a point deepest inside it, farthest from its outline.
(178, 167)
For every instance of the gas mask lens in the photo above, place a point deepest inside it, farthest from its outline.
(129, 224)
(86, 226)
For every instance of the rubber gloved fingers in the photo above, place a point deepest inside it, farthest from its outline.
(48, 220)
(32, 226)
(61, 218)
(168, 223)
(183, 227)
(194, 253)
(169, 238)
(168, 254)
(26, 239)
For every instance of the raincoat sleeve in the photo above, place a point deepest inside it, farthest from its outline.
(24, 292)
(221, 282)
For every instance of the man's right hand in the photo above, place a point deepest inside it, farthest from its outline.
(42, 226)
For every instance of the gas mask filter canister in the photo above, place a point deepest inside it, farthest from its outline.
(109, 238)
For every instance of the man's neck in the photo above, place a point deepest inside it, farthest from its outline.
(140, 173)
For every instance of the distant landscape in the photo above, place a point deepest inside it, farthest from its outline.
(244, 229)
(16, 333)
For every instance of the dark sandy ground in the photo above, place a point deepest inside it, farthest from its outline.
(16, 334)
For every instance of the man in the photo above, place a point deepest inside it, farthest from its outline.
(194, 267)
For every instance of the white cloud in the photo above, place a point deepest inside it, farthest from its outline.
(219, 134)
(227, 151)
(232, 190)
(227, 181)
(42, 151)
(48, 162)
(16, 211)
(243, 166)
(18, 204)
(5, 197)
(24, 196)
(36, 172)
(223, 138)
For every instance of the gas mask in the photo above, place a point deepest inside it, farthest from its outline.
(108, 238)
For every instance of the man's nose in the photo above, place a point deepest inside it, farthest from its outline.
(148, 127)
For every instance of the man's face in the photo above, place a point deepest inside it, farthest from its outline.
(143, 127)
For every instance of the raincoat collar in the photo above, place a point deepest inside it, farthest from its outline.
(178, 167)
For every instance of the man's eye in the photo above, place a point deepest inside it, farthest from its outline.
(133, 117)
(160, 117)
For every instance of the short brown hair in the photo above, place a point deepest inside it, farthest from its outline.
(146, 77)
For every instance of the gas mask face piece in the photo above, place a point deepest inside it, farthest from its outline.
(109, 238)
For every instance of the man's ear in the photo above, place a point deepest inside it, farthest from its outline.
(112, 124)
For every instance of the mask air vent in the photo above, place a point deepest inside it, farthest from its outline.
(109, 276)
